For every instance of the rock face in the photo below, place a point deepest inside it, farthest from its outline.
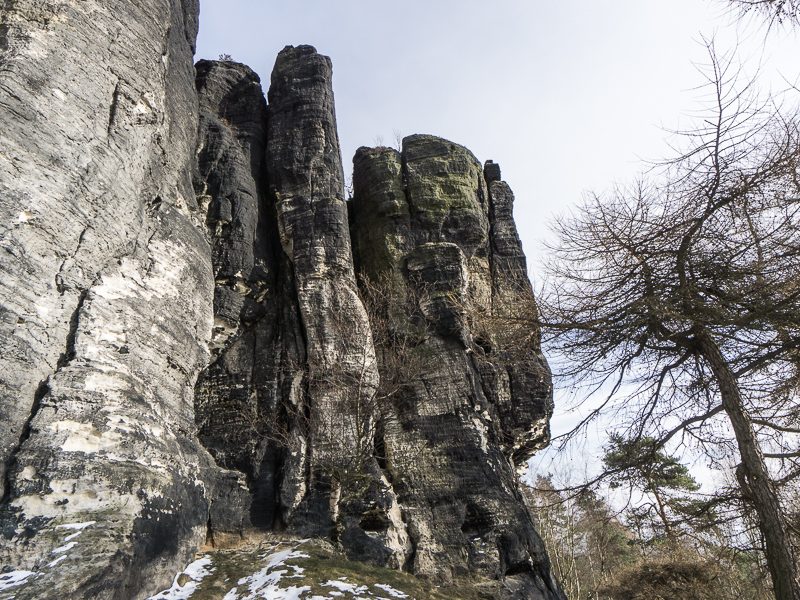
(200, 336)
(476, 395)
(105, 298)
(390, 414)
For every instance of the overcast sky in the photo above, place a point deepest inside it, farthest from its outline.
(567, 95)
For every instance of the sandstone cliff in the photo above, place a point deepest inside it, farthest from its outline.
(201, 337)
(106, 295)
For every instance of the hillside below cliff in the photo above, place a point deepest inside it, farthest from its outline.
(204, 340)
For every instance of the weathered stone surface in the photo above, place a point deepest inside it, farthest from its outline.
(105, 296)
(306, 182)
(199, 335)
(289, 400)
(230, 185)
(247, 396)
(479, 398)
(526, 400)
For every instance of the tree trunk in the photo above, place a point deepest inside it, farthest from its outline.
(771, 521)
(662, 512)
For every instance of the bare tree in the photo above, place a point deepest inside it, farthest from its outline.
(773, 11)
(680, 299)
(398, 139)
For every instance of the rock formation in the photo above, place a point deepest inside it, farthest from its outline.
(201, 336)
(105, 296)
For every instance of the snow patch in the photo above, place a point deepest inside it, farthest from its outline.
(76, 526)
(266, 582)
(343, 586)
(65, 548)
(266, 585)
(14, 579)
(196, 572)
(279, 558)
(391, 591)
(58, 560)
(298, 571)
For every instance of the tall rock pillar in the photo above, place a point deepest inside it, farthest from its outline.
(307, 185)
(456, 333)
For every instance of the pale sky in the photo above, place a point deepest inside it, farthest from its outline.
(568, 96)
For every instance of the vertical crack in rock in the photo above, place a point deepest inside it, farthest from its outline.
(234, 395)
(72, 332)
(41, 392)
(112, 111)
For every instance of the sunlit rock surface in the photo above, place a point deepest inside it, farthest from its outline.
(105, 298)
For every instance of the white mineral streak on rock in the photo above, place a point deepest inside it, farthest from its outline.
(28, 473)
(396, 536)
(83, 437)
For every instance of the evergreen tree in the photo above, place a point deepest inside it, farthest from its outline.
(641, 465)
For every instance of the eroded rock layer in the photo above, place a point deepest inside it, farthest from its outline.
(201, 336)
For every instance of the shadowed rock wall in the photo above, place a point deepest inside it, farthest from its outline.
(390, 418)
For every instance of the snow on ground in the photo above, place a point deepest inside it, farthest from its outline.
(270, 581)
(391, 591)
(343, 586)
(265, 583)
(65, 548)
(194, 573)
(56, 561)
(76, 526)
